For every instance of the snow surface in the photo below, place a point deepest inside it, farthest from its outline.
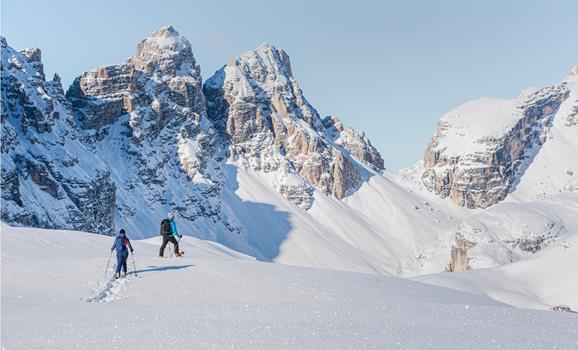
(375, 230)
(55, 296)
(541, 281)
(476, 119)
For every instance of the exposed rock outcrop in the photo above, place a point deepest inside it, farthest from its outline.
(479, 149)
(459, 260)
(561, 308)
(49, 179)
(266, 123)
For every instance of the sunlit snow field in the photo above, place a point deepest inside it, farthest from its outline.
(55, 296)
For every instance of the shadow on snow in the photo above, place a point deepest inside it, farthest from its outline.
(162, 268)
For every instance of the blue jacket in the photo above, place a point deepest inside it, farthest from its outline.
(120, 244)
(174, 231)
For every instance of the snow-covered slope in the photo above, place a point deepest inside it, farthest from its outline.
(542, 281)
(360, 233)
(55, 296)
(553, 167)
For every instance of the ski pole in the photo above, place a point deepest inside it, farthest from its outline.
(134, 264)
(107, 264)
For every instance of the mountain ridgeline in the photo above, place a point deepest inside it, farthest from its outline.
(137, 138)
(245, 159)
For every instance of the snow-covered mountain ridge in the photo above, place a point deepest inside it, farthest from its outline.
(244, 159)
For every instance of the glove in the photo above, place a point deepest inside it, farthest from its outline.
(132, 250)
(112, 249)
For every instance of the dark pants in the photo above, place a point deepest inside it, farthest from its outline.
(166, 240)
(121, 258)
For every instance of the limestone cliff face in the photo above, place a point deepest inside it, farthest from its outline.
(479, 149)
(356, 143)
(160, 83)
(459, 259)
(147, 117)
(266, 123)
(49, 179)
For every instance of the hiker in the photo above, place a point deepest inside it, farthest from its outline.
(169, 231)
(120, 244)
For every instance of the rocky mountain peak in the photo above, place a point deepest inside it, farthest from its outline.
(27, 60)
(33, 54)
(164, 60)
(266, 63)
(267, 124)
(164, 49)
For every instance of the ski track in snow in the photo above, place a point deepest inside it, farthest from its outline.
(109, 290)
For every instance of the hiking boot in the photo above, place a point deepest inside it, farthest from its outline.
(124, 274)
(116, 275)
(160, 256)
(177, 254)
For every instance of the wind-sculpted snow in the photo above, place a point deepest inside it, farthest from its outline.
(214, 299)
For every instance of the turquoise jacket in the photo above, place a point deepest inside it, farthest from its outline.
(174, 231)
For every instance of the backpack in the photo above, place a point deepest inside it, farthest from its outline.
(120, 244)
(166, 228)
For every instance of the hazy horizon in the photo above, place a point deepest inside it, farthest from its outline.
(388, 69)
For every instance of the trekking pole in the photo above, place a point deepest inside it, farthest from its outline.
(175, 247)
(108, 263)
(134, 264)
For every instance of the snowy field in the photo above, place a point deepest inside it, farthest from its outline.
(541, 281)
(55, 296)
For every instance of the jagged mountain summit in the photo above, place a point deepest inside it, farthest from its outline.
(266, 123)
(246, 160)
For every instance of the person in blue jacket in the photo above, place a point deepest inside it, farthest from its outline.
(169, 231)
(122, 245)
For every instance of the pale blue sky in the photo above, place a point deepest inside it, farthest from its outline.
(387, 68)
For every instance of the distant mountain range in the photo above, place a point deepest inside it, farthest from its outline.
(244, 159)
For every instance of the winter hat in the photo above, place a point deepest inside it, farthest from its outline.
(122, 232)
(171, 214)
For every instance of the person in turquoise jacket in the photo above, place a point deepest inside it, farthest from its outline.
(169, 232)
